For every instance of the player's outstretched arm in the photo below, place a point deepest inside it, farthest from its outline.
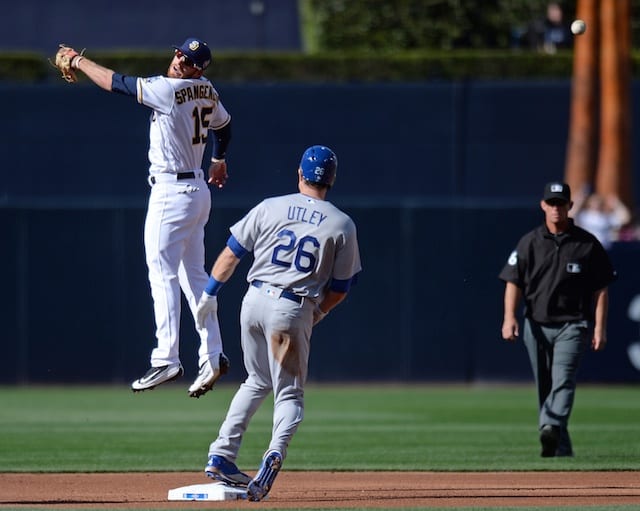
(98, 74)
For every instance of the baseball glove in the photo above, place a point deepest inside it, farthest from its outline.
(63, 60)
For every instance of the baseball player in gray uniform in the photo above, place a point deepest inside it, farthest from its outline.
(185, 108)
(306, 258)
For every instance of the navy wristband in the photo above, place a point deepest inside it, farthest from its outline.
(213, 286)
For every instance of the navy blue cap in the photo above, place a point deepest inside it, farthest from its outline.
(197, 51)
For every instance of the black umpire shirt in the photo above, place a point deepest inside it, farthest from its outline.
(558, 274)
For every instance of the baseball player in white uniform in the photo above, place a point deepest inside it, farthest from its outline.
(306, 258)
(186, 108)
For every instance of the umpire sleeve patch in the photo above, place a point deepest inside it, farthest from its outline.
(513, 258)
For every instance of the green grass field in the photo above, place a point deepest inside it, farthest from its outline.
(359, 427)
(350, 428)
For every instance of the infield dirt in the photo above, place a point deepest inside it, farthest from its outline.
(328, 490)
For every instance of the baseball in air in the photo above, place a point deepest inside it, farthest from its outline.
(578, 27)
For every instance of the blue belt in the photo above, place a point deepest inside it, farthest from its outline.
(285, 294)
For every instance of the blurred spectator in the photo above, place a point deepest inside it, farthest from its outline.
(547, 34)
(603, 217)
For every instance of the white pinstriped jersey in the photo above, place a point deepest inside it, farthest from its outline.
(299, 243)
(183, 112)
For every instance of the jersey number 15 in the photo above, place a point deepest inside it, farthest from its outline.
(200, 124)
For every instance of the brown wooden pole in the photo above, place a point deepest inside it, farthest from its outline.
(613, 172)
(582, 145)
(624, 36)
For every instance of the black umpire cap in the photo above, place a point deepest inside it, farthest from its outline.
(557, 191)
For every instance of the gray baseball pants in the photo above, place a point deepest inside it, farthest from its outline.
(276, 334)
(555, 351)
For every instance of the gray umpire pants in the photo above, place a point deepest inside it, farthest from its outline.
(555, 352)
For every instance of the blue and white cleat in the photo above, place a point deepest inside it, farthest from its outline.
(221, 469)
(261, 484)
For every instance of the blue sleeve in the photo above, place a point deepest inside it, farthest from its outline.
(126, 85)
(238, 250)
(221, 139)
(343, 286)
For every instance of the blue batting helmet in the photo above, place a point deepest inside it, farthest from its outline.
(319, 165)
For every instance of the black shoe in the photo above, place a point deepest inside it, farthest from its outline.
(565, 448)
(157, 375)
(549, 439)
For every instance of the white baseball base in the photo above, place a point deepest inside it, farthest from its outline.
(211, 491)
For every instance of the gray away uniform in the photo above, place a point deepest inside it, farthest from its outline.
(302, 247)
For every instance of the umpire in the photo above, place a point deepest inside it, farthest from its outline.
(563, 273)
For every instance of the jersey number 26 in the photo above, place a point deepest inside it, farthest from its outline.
(303, 259)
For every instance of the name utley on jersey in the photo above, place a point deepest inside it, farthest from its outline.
(299, 243)
(183, 112)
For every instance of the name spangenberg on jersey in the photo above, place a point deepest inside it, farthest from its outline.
(183, 112)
